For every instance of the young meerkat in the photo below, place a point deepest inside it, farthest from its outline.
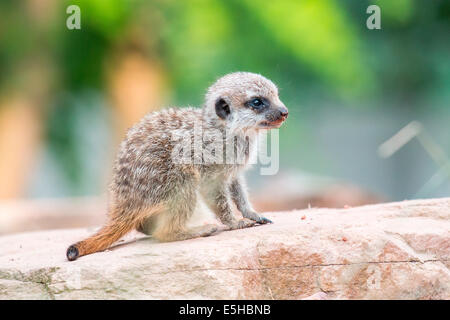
(155, 193)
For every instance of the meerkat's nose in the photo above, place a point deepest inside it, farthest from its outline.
(284, 112)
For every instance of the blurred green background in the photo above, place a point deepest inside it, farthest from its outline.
(67, 96)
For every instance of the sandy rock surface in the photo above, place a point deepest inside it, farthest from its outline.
(387, 251)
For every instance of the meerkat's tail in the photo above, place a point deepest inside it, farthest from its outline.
(100, 241)
(120, 224)
(116, 228)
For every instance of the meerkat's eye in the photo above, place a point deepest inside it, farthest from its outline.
(257, 103)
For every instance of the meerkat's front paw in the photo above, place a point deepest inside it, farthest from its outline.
(263, 220)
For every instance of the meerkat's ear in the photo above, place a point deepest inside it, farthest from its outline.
(222, 108)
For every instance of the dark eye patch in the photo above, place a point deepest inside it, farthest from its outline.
(258, 103)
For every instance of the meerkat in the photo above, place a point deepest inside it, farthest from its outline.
(155, 194)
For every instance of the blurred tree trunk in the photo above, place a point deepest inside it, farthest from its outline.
(22, 107)
(136, 86)
(20, 135)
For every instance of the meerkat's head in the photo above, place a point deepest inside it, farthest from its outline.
(244, 100)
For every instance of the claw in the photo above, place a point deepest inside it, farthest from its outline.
(264, 220)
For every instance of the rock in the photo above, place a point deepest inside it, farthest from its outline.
(387, 251)
(41, 214)
(292, 190)
(317, 296)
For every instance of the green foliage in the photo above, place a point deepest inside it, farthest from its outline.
(318, 50)
(319, 34)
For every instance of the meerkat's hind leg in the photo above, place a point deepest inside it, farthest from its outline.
(171, 225)
(197, 232)
(147, 226)
(169, 228)
(241, 224)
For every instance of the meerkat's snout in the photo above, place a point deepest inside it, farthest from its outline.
(274, 117)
